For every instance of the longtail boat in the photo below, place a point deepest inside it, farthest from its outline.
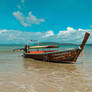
(69, 55)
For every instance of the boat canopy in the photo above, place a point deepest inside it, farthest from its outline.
(49, 46)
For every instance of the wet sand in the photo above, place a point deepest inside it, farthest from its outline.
(18, 74)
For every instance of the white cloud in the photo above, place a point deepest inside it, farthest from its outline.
(48, 34)
(2, 31)
(17, 36)
(72, 35)
(69, 35)
(28, 20)
(22, 1)
(66, 32)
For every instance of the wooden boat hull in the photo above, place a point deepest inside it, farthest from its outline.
(57, 56)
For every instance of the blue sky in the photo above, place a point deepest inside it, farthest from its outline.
(49, 17)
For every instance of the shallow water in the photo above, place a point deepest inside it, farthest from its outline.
(18, 74)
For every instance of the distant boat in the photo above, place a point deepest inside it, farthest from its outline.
(69, 55)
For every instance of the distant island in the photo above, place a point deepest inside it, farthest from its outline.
(44, 43)
(53, 43)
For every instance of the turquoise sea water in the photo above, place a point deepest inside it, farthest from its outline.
(18, 74)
